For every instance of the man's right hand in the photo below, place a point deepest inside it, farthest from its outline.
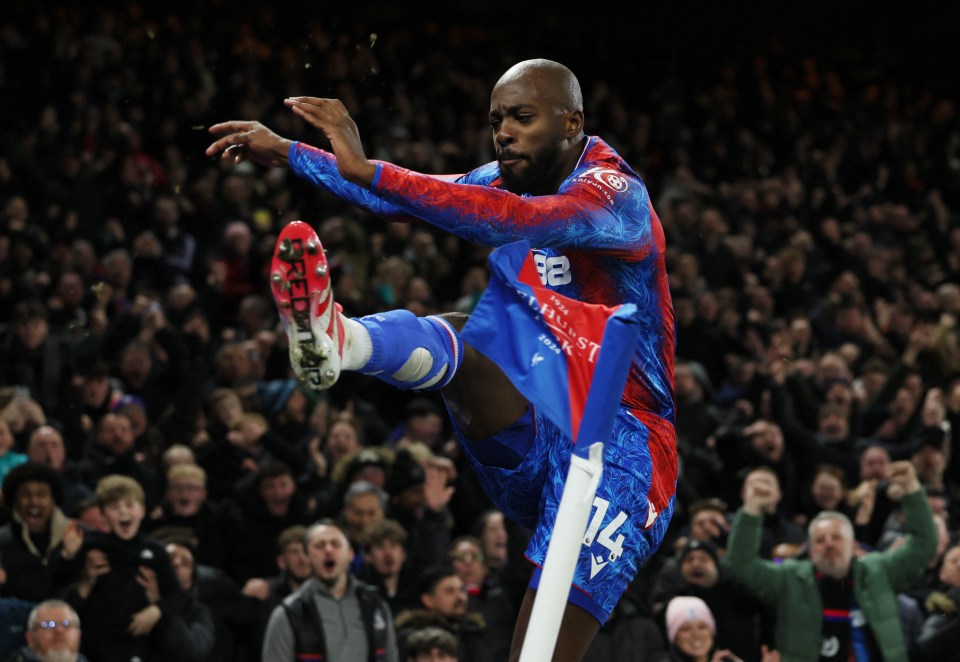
(252, 141)
(904, 475)
(758, 498)
(331, 117)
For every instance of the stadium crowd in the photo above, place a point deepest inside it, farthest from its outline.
(809, 202)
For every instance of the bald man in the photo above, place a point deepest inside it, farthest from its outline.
(595, 239)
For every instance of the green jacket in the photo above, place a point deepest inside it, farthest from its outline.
(792, 587)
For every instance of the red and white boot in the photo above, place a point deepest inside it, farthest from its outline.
(300, 282)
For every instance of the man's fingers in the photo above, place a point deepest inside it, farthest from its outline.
(233, 126)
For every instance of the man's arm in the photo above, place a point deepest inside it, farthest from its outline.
(584, 214)
(278, 642)
(742, 559)
(904, 565)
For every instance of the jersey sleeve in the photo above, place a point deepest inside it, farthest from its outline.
(586, 213)
(319, 167)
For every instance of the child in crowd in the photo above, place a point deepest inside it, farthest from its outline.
(125, 581)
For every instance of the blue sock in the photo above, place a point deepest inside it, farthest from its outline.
(410, 352)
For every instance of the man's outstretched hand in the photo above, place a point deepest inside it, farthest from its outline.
(331, 117)
(251, 141)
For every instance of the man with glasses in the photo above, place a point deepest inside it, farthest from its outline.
(53, 634)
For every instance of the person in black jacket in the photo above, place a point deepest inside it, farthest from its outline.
(33, 493)
(114, 594)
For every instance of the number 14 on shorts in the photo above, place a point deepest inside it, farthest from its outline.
(605, 537)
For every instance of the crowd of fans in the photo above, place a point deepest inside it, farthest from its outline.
(809, 203)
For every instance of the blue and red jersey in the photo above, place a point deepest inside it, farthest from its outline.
(597, 240)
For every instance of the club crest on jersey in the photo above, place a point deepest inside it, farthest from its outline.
(605, 180)
(611, 178)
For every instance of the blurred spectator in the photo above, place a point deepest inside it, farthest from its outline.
(303, 623)
(420, 493)
(775, 528)
(739, 616)
(188, 633)
(833, 578)
(485, 595)
(691, 632)
(188, 513)
(385, 565)
(261, 512)
(629, 635)
(431, 644)
(33, 493)
(112, 451)
(294, 568)
(443, 603)
(35, 360)
(46, 447)
(53, 633)
(940, 635)
(364, 505)
(125, 583)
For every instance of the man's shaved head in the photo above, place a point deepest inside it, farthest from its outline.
(553, 82)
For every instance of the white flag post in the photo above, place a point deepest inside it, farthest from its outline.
(576, 502)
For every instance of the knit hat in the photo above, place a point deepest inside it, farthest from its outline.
(405, 473)
(685, 609)
(693, 545)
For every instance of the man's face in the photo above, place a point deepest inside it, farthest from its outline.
(341, 441)
(46, 447)
(116, 434)
(182, 561)
(186, 495)
(135, 366)
(57, 632)
(293, 560)
(387, 557)
(34, 505)
(495, 539)
(31, 332)
(874, 464)
(448, 598)
(827, 491)
(930, 462)
(467, 561)
(360, 513)
(699, 568)
(830, 549)
(950, 570)
(708, 525)
(330, 554)
(834, 427)
(527, 135)
(277, 494)
(768, 440)
(124, 516)
(95, 390)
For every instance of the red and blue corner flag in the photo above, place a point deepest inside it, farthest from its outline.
(569, 358)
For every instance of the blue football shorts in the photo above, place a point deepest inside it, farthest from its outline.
(623, 530)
